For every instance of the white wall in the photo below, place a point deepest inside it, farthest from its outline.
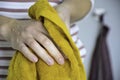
(89, 29)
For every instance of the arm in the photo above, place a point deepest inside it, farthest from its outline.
(77, 9)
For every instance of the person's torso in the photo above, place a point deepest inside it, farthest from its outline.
(18, 9)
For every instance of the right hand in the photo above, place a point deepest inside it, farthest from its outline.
(31, 34)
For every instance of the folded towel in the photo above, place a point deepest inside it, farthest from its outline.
(22, 69)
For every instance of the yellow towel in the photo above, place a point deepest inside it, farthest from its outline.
(22, 69)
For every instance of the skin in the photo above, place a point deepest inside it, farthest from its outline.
(30, 33)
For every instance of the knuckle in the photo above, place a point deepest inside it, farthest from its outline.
(28, 29)
(31, 42)
(57, 56)
(38, 23)
(46, 41)
(39, 35)
(21, 47)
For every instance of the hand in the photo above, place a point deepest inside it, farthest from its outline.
(31, 34)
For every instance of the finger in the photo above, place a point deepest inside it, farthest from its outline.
(51, 48)
(40, 51)
(27, 53)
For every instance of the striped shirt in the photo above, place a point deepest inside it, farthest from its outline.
(17, 9)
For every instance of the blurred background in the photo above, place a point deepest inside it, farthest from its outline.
(89, 29)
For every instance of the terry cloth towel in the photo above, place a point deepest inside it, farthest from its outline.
(22, 69)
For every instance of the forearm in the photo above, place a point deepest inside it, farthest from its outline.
(4, 26)
(77, 8)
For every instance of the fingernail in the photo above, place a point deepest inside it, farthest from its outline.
(50, 62)
(61, 61)
(35, 59)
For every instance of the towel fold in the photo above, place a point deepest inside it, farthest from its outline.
(22, 69)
